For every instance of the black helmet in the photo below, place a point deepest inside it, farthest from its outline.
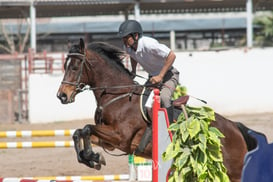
(129, 27)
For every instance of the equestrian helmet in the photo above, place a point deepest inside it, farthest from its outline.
(129, 27)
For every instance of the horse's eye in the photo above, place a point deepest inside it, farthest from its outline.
(75, 68)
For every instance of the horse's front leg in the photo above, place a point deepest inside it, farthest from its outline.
(99, 134)
(84, 150)
(88, 153)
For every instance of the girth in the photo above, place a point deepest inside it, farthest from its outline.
(100, 108)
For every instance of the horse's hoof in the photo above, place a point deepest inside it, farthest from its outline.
(97, 167)
(91, 164)
(102, 159)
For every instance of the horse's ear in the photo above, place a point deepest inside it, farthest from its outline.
(82, 44)
(68, 44)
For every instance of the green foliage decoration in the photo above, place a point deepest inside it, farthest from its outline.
(264, 34)
(196, 148)
(179, 91)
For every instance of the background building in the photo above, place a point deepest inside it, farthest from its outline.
(37, 28)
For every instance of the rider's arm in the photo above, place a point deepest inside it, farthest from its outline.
(168, 63)
(133, 65)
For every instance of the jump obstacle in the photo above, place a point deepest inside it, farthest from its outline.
(160, 169)
(161, 139)
(48, 144)
(258, 163)
(36, 144)
(35, 133)
(67, 178)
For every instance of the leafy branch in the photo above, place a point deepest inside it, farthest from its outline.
(17, 42)
(196, 148)
(264, 36)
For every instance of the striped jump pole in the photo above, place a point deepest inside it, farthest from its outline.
(38, 144)
(31, 180)
(68, 178)
(36, 133)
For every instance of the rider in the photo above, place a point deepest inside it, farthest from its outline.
(156, 59)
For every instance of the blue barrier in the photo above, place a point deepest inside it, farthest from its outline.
(258, 164)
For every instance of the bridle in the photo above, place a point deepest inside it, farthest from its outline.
(79, 86)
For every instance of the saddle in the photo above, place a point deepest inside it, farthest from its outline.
(181, 101)
(146, 113)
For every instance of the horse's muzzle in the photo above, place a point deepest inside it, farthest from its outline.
(63, 97)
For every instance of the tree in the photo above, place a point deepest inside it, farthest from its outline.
(15, 42)
(264, 36)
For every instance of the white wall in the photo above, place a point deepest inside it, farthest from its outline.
(232, 82)
(44, 106)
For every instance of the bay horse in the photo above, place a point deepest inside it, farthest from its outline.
(119, 123)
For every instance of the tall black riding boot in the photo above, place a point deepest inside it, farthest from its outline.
(170, 114)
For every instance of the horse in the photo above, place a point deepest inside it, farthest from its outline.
(119, 122)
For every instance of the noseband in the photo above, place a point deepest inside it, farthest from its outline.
(79, 86)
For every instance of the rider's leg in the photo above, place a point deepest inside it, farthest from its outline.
(170, 113)
(168, 88)
(165, 97)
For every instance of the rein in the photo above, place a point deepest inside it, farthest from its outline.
(82, 86)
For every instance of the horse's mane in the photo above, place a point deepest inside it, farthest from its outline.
(111, 54)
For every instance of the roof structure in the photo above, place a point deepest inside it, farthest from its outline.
(104, 26)
(62, 8)
(71, 8)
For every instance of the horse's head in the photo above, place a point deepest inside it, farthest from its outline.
(99, 66)
(75, 77)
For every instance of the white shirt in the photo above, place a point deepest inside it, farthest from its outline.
(150, 54)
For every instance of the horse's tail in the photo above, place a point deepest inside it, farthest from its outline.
(251, 142)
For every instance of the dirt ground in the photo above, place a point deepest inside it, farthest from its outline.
(62, 161)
